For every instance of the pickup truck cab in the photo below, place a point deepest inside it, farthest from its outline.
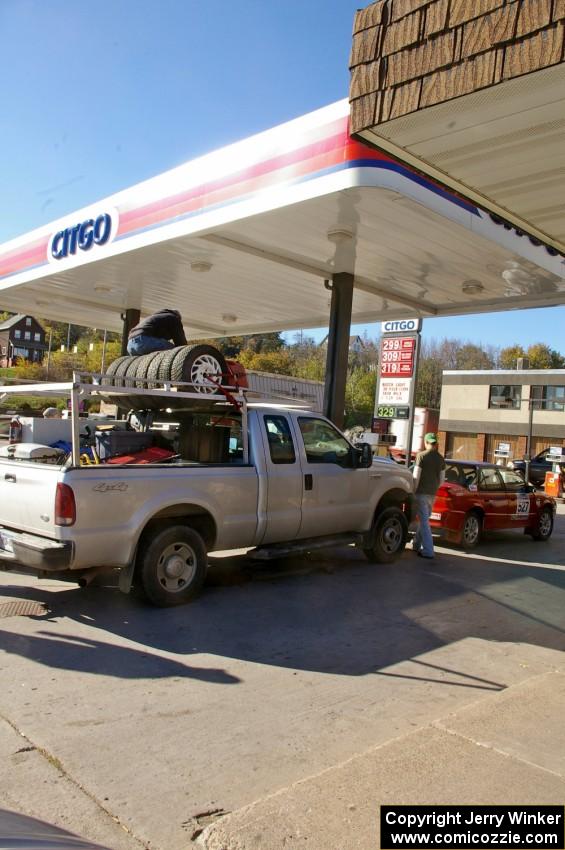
(228, 474)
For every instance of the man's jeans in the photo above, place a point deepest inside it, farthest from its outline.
(144, 344)
(423, 541)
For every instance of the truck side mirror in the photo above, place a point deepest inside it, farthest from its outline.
(365, 455)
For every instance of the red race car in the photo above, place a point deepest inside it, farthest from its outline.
(477, 497)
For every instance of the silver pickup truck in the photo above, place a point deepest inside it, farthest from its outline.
(228, 474)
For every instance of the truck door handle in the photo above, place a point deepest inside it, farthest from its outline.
(9, 477)
(308, 481)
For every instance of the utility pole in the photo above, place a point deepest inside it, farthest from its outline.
(49, 354)
(531, 404)
(103, 363)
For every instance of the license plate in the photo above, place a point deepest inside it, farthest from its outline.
(6, 543)
(435, 516)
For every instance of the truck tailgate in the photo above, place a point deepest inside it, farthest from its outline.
(27, 496)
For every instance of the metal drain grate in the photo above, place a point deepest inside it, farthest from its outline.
(22, 608)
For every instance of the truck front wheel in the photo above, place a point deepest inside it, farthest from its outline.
(172, 565)
(388, 536)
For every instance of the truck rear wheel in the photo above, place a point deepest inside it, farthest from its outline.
(172, 565)
(389, 536)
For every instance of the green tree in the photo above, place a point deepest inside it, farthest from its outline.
(360, 397)
(508, 356)
(541, 356)
(278, 362)
(471, 356)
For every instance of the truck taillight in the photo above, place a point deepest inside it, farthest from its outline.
(65, 507)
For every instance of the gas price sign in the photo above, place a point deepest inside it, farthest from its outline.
(391, 411)
(397, 356)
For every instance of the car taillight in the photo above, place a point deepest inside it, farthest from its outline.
(65, 507)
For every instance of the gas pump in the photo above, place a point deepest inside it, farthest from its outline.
(502, 454)
(378, 438)
(554, 480)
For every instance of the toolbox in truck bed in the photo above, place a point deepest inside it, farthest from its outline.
(113, 442)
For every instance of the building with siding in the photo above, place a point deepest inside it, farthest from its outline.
(480, 409)
(21, 338)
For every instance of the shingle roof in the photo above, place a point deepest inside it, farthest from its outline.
(9, 323)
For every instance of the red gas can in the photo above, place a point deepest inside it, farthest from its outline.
(15, 433)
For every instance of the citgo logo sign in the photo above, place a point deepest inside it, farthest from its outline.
(98, 230)
(400, 325)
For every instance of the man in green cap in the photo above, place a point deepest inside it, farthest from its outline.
(429, 472)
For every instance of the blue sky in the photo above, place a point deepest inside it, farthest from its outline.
(96, 97)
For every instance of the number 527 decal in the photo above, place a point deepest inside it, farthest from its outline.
(523, 505)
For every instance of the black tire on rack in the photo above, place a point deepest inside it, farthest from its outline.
(111, 370)
(167, 362)
(194, 362)
(130, 372)
(153, 369)
(142, 366)
(121, 370)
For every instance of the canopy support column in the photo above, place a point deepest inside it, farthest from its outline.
(130, 318)
(337, 357)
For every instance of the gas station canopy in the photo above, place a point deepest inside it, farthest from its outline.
(241, 241)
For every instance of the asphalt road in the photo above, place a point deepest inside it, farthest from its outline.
(137, 727)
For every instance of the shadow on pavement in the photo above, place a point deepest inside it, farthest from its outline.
(332, 613)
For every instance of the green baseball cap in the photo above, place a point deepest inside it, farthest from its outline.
(430, 438)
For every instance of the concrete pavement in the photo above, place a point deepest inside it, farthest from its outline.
(282, 708)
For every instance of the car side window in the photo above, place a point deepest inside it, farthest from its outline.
(512, 480)
(489, 479)
(322, 443)
(281, 447)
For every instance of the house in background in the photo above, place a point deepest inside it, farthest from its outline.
(356, 344)
(21, 338)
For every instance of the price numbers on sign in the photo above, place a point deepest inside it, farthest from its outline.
(390, 411)
(397, 356)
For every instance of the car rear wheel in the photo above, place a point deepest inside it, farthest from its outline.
(472, 530)
(545, 525)
(389, 537)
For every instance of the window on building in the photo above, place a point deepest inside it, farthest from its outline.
(28, 321)
(549, 398)
(502, 395)
(37, 337)
(27, 335)
(4, 349)
(461, 446)
(17, 334)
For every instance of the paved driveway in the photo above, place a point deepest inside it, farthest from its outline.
(137, 726)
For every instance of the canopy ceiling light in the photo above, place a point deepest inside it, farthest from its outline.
(472, 287)
(200, 266)
(339, 235)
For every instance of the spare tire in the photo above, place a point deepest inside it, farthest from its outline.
(165, 364)
(121, 370)
(153, 370)
(196, 364)
(142, 367)
(111, 370)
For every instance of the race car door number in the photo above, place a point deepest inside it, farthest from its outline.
(523, 505)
